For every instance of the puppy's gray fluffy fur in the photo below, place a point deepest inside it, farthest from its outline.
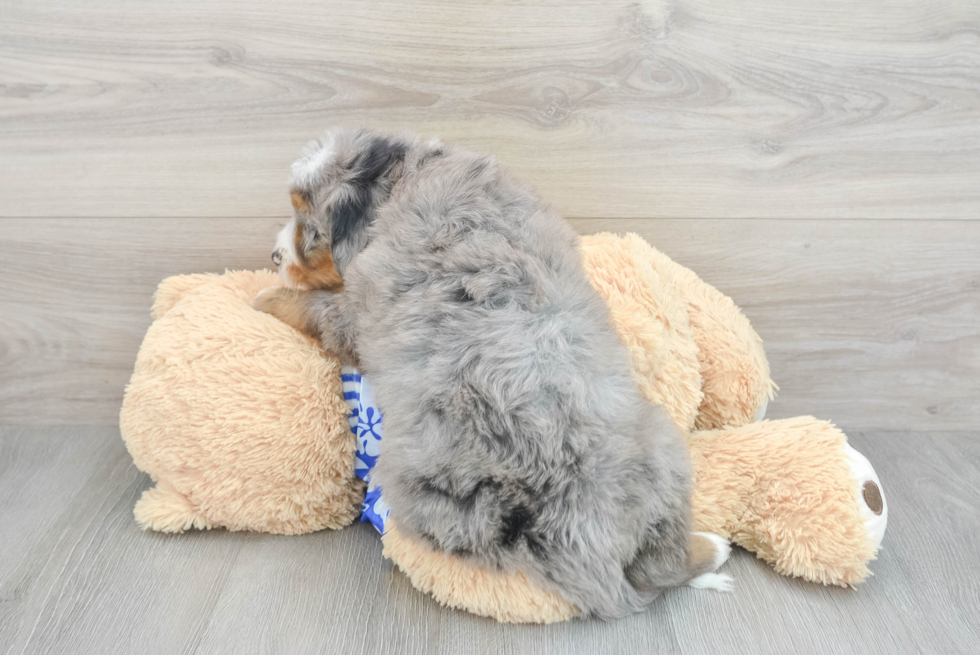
(515, 434)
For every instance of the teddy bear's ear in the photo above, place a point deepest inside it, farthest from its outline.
(174, 288)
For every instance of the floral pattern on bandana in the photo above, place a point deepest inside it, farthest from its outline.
(366, 423)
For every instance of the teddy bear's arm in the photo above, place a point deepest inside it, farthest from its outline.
(789, 491)
(734, 369)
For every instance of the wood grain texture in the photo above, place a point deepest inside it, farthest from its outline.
(77, 575)
(659, 108)
(141, 139)
(75, 303)
(871, 324)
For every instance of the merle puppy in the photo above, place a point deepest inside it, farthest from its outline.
(515, 434)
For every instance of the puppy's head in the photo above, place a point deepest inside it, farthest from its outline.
(338, 183)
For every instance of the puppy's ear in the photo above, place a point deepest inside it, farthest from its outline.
(378, 159)
(370, 182)
(348, 216)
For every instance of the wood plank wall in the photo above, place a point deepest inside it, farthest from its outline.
(819, 162)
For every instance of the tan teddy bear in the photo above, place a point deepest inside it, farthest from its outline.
(241, 422)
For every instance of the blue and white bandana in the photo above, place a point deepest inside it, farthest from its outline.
(365, 422)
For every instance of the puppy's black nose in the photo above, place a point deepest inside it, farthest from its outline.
(276, 257)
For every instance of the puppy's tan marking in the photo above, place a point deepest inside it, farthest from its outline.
(314, 270)
(324, 276)
(708, 552)
(299, 203)
(299, 244)
(702, 555)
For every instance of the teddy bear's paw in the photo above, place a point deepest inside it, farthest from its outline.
(164, 509)
(870, 495)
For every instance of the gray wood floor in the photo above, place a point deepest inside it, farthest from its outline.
(817, 161)
(78, 576)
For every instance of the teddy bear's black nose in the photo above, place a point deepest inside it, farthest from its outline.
(276, 257)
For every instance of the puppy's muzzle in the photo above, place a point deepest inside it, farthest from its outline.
(277, 256)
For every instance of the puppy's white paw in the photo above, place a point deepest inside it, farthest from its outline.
(716, 581)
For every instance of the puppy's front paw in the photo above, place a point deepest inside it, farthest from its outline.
(288, 305)
(268, 299)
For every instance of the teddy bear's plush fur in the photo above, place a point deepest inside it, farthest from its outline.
(241, 422)
(238, 418)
